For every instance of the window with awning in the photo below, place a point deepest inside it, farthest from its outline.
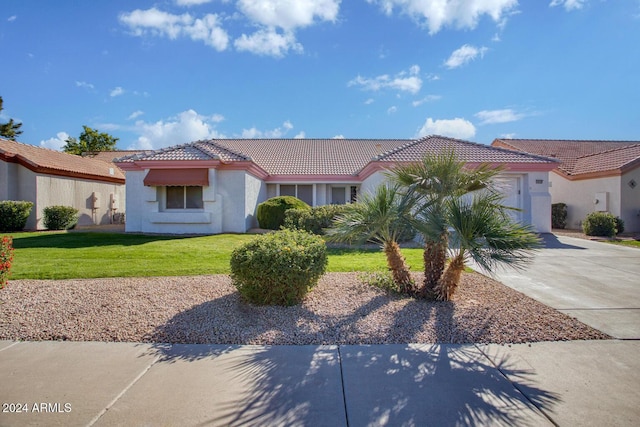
(177, 177)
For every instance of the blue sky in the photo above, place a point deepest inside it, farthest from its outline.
(160, 73)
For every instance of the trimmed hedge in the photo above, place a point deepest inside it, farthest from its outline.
(559, 215)
(14, 215)
(60, 217)
(313, 220)
(271, 212)
(599, 224)
(278, 268)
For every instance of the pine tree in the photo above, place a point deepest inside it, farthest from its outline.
(11, 129)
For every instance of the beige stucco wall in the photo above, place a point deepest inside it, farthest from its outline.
(78, 193)
(580, 196)
(20, 183)
(630, 200)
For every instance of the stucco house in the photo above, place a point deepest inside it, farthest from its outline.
(208, 187)
(48, 177)
(591, 176)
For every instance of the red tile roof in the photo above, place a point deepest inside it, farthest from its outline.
(330, 156)
(581, 158)
(466, 151)
(46, 161)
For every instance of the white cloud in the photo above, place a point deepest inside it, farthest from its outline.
(84, 85)
(463, 55)
(428, 98)
(405, 81)
(289, 14)
(117, 91)
(369, 101)
(278, 132)
(338, 137)
(268, 42)
(454, 128)
(56, 143)
(155, 22)
(460, 14)
(391, 110)
(498, 116)
(508, 135)
(191, 2)
(135, 115)
(217, 118)
(568, 4)
(300, 135)
(185, 127)
(12, 18)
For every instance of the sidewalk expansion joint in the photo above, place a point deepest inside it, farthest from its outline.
(344, 394)
(9, 346)
(122, 393)
(515, 385)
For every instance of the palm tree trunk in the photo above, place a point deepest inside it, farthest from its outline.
(450, 279)
(435, 257)
(398, 266)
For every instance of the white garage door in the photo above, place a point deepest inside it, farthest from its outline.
(513, 195)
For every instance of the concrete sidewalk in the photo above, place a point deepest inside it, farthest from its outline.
(104, 384)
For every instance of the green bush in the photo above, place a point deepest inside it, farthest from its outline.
(60, 217)
(313, 220)
(558, 215)
(271, 212)
(599, 224)
(619, 225)
(278, 268)
(14, 215)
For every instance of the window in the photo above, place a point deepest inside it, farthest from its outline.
(188, 197)
(302, 192)
(338, 195)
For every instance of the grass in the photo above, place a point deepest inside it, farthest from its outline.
(72, 255)
(630, 243)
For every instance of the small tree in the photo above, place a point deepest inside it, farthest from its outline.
(9, 130)
(377, 217)
(90, 141)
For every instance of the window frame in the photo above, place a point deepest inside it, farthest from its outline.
(185, 199)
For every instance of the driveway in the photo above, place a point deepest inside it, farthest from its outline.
(596, 282)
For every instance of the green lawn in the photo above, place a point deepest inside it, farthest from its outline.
(630, 243)
(68, 255)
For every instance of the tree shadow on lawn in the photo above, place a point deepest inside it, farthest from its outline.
(348, 384)
(88, 239)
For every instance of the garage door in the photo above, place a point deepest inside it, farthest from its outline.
(513, 195)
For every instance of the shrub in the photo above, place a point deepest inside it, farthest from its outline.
(14, 215)
(278, 268)
(314, 220)
(60, 217)
(619, 225)
(599, 224)
(271, 212)
(6, 257)
(558, 215)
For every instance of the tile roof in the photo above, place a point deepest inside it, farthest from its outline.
(466, 151)
(580, 157)
(330, 156)
(44, 160)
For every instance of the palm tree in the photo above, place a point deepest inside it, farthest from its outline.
(376, 217)
(427, 186)
(484, 232)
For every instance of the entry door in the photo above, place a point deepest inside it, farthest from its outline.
(513, 195)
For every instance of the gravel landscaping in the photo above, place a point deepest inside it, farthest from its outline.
(340, 310)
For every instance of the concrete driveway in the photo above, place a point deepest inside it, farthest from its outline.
(596, 282)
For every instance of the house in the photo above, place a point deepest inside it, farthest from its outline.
(592, 176)
(215, 186)
(48, 177)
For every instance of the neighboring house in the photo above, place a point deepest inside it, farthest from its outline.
(47, 177)
(215, 186)
(592, 176)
